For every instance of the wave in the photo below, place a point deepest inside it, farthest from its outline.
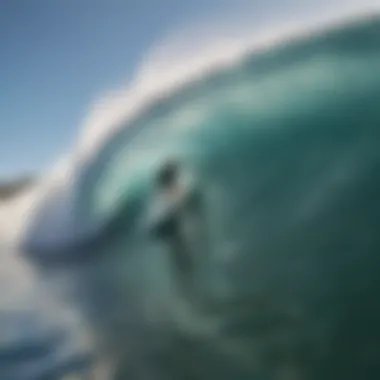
(155, 83)
(172, 64)
(175, 100)
(187, 99)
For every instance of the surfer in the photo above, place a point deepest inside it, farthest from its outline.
(176, 206)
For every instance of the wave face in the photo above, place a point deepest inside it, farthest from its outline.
(283, 148)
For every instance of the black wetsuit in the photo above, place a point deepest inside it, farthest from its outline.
(170, 229)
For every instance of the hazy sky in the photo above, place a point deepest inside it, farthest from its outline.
(58, 56)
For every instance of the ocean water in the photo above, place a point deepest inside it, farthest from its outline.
(282, 146)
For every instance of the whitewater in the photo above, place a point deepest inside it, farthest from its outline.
(55, 197)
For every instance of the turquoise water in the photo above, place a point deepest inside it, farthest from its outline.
(284, 149)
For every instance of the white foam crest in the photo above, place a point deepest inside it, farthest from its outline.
(16, 213)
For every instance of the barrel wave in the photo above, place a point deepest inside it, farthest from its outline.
(282, 246)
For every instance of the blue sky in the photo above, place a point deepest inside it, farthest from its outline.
(58, 56)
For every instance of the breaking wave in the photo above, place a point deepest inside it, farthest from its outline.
(47, 212)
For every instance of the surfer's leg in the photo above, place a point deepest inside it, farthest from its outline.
(182, 263)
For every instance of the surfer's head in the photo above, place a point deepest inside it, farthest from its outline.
(168, 174)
